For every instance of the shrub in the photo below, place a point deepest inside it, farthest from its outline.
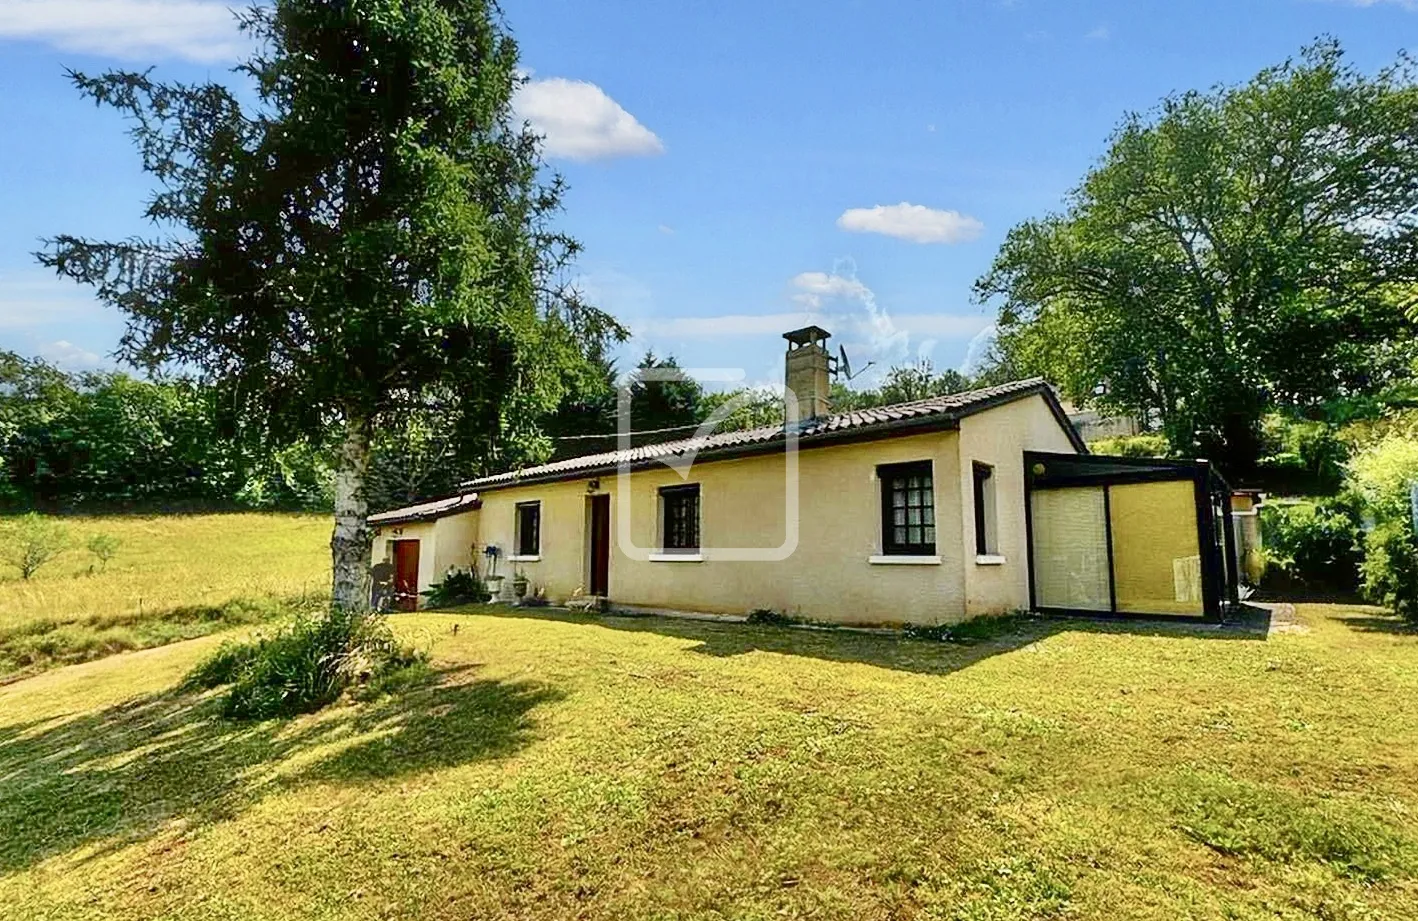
(1382, 472)
(1145, 445)
(103, 547)
(1312, 546)
(1303, 457)
(1382, 475)
(305, 665)
(459, 586)
(30, 541)
(1391, 568)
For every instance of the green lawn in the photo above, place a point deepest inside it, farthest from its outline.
(574, 767)
(174, 577)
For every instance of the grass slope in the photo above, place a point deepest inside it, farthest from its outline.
(174, 577)
(570, 767)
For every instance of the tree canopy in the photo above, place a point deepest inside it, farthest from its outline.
(1235, 251)
(370, 240)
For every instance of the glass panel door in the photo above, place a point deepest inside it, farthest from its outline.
(1156, 556)
(1071, 548)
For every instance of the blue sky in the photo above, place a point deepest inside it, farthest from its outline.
(736, 169)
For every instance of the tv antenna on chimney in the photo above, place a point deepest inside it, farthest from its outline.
(843, 368)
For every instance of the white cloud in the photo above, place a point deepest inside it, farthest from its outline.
(916, 223)
(814, 286)
(196, 30)
(580, 122)
(943, 325)
(32, 298)
(67, 356)
(849, 310)
(978, 349)
(1406, 4)
(1099, 34)
(666, 229)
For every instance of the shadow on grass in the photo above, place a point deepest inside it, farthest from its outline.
(1377, 620)
(886, 649)
(109, 778)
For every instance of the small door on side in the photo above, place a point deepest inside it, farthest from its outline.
(600, 525)
(406, 575)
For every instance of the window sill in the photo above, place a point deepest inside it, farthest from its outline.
(989, 559)
(524, 558)
(676, 557)
(902, 560)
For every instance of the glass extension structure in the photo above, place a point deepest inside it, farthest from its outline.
(1129, 537)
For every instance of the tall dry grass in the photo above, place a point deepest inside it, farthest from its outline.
(174, 577)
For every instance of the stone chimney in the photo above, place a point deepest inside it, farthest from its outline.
(808, 367)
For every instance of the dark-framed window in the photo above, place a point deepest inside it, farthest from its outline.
(984, 501)
(907, 509)
(679, 518)
(529, 528)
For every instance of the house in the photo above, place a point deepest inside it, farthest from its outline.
(1093, 425)
(932, 511)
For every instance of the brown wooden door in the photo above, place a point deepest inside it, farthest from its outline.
(406, 575)
(600, 545)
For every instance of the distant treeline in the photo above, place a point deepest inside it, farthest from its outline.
(107, 440)
(111, 441)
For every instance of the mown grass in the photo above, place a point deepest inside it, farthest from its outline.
(174, 577)
(556, 766)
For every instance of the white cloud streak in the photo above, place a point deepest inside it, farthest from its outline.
(195, 30)
(580, 122)
(30, 299)
(1405, 4)
(915, 223)
(67, 356)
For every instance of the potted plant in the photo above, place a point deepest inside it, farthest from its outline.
(494, 580)
(519, 583)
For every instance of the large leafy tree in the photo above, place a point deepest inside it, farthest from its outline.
(366, 242)
(1234, 252)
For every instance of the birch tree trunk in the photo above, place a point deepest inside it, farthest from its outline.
(352, 539)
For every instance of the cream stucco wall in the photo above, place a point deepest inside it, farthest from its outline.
(425, 533)
(743, 504)
(999, 438)
(828, 576)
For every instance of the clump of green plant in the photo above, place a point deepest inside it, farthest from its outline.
(1391, 568)
(767, 617)
(1382, 475)
(1312, 547)
(306, 664)
(1245, 819)
(32, 540)
(103, 547)
(1149, 444)
(974, 630)
(459, 586)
